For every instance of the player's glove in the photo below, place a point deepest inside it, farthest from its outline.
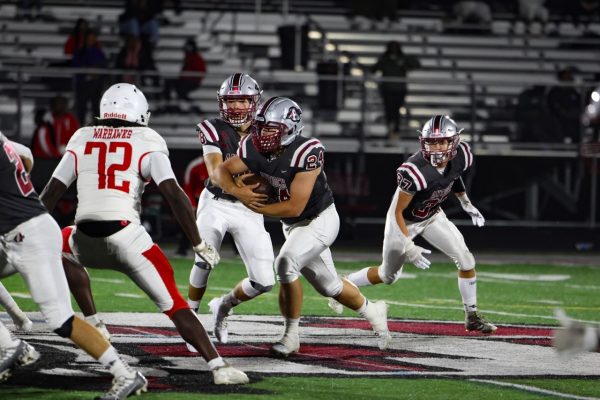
(473, 212)
(415, 253)
(207, 253)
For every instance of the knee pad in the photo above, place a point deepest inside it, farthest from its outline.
(391, 278)
(465, 260)
(286, 269)
(253, 289)
(66, 328)
(325, 287)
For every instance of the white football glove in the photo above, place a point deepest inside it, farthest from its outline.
(207, 253)
(415, 253)
(473, 212)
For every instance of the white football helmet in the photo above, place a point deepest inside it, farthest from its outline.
(281, 113)
(439, 128)
(238, 87)
(125, 101)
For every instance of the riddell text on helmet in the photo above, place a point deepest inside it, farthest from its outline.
(114, 115)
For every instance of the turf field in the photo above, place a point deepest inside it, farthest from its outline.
(431, 355)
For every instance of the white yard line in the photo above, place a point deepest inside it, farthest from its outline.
(549, 317)
(533, 389)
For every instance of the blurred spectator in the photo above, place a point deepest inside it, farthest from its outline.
(76, 39)
(393, 63)
(29, 9)
(534, 10)
(591, 116)
(381, 13)
(135, 55)
(193, 62)
(43, 141)
(88, 86)
(477, 12)
(140, 19)
(193, 184)
(564, 105)
(64, 122)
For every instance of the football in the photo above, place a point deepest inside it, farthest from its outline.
(264, 186)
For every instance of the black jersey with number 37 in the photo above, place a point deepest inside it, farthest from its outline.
(19, 200)
(430, 188)
(303, 154)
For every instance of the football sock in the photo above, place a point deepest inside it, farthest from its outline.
(194, 305)
(93, 319)
(364, 309)
(291, 326)
(230, 301)
(468, 292)
(360, 278)
(6, 339)
(216, 363)
(117, 367)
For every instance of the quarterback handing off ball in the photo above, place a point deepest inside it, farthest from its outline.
(264, 186)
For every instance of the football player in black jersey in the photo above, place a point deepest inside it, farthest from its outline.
(294, 166)
(424, 181)
(30, 244)
(219, 212)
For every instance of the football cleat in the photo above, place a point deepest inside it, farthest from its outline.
(21, 355)
(376, 314)
(219, 319)
(335, 305)
(123, 387)
(227, 375)
(103, 330)
(574, 337)
(475, 322)
(289, 344)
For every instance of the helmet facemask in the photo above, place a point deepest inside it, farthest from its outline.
(437, 157)
(236, 116)
(271, 141)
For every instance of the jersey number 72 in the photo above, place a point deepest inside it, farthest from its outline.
(106, 176)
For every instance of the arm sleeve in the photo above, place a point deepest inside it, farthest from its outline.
(157, 166)
(459, 185)
(65, 171)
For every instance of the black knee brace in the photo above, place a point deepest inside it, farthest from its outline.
(66, 328)
(202, 265)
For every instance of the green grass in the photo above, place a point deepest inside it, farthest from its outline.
(430, 295)
(425, 295)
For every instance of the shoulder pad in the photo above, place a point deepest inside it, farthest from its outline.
(208, 132)
(465, 149)
(308, 155)
(410, 175)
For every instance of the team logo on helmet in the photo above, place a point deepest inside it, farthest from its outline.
(294, 114)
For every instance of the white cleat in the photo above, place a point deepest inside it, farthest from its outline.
(21, 355)
(219, 319)
(124, 387)
(335, 305)
(289, 344)
(227, 375)
(377, 317)
(574, 337)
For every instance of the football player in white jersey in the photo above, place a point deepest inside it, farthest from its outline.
(424, 182)
(112, 162)
(219, 212)
(30, 244)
